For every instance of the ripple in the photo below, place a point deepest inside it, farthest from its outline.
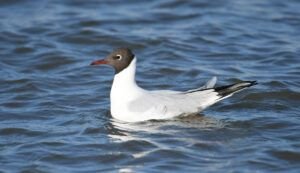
(18, 131)
(54, 107)
(283, 94)
(290, 156)
(53, 61)
(23, 50)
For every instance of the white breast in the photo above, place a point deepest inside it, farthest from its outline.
(124, 90)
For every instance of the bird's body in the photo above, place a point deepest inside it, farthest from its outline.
(131, 103)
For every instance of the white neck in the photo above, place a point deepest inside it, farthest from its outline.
(124, 86)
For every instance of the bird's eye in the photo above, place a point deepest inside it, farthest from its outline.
(118, 57)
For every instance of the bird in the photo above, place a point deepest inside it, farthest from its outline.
(131, 103)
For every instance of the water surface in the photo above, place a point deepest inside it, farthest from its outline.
(54, 107)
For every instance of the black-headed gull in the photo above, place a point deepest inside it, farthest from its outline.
(131, 103)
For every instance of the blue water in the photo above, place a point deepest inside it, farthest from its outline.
(54, 107)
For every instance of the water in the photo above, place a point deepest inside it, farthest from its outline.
(54, 107)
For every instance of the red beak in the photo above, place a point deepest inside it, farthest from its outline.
(98, 62)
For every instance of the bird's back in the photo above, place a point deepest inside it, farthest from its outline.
(167, 104)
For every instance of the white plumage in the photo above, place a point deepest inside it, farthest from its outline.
(131, 103)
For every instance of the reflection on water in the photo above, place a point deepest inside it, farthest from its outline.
(144, 134)
(161, 126)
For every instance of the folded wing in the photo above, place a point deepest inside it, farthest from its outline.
(168, 104)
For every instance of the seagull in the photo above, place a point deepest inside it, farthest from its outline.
(131, 103)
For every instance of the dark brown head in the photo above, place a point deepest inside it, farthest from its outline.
(119, 59)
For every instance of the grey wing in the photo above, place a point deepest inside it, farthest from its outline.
(209, 84)
(167, 104)
(174, 103)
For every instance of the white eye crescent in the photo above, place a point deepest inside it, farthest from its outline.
(118, 57)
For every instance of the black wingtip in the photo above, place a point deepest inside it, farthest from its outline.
(230, 89)
(254, 82)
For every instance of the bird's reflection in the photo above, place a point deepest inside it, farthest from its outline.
(124, 131)
(157, 133)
